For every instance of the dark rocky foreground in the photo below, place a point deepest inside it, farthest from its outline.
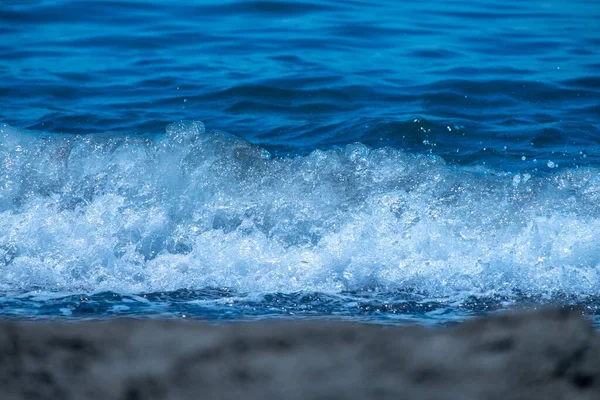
(550, 354)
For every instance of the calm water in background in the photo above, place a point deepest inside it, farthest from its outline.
(475, 187)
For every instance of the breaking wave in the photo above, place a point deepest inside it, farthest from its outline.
(191, 209)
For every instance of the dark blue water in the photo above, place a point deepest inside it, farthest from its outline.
(390, 162)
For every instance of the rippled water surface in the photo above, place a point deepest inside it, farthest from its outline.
(391, 162)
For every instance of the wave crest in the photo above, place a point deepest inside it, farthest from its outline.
(190, 209)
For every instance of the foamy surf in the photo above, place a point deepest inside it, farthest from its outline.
(191, 210)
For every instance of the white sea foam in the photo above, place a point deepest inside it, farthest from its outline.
(191, 209)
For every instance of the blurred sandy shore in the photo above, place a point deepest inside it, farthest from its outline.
(549, 354)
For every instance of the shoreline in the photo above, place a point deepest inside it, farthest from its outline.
(543, 354)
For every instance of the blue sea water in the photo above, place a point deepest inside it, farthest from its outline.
(388, 162)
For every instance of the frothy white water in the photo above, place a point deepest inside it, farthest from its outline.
(191, 209)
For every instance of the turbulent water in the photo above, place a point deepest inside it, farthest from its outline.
(387, 163)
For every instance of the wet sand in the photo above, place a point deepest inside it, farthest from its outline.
(548, 354)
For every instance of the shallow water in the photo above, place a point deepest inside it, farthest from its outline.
(390, 163)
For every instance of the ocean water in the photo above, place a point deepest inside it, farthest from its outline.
(397, 162)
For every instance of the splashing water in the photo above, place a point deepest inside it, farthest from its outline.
(190, 210)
